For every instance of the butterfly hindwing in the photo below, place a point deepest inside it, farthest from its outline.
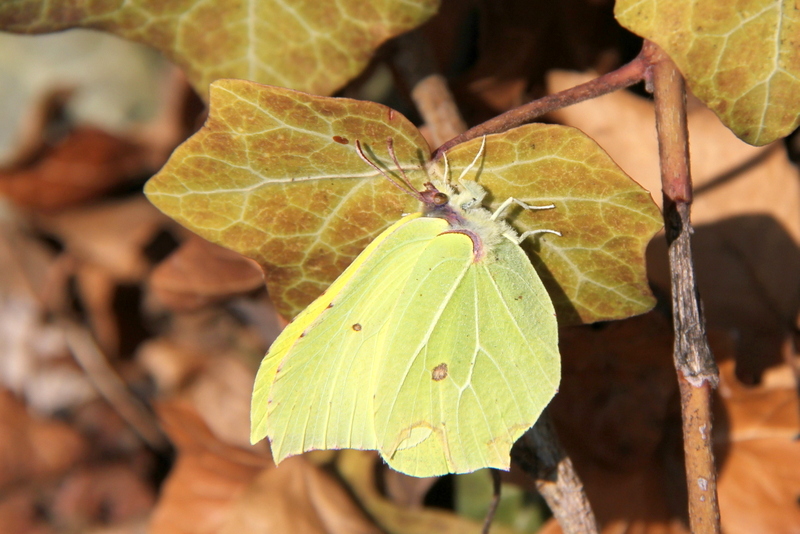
(494, 330)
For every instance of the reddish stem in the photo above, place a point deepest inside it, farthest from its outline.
(625, 76)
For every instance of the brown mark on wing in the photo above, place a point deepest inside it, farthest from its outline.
(439, 372)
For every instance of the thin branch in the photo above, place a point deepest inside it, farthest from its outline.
(540, 455)
(697, 371)
(108, 383)
(416, 66)
(496, 489)
(625, 76)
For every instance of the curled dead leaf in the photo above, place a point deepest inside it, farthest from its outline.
(200, 273)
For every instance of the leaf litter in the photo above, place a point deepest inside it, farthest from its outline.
(191, 339)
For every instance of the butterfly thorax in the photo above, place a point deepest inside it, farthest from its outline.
(465, 213)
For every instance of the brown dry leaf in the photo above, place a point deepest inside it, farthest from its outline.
(200, 492)
(296, 497)
(405, 490)
(618, 388)
(83, 165)
(217, 488)
(221, 394)
(169, 363)
(27, 444)
(111, 235)
(86, 78)
(109, 434)
(20, 513)
(200, 273)
(97, 288)
(756, 429)
(111, 493)
(618, 415)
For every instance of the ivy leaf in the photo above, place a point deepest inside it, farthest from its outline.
(313, 46)
(595, 270)
(741, 59)
(274, 175)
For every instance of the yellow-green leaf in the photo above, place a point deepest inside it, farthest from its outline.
(274, 175)
(741, 58)
(313, 46)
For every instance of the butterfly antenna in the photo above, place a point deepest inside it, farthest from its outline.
(390, 147)
(446, 177)
(474, 161)
(386, 175)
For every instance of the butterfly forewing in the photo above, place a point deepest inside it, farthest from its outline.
(323, 389)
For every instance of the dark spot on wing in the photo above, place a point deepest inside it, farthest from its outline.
(439, 372)
(357, 327)
(341, 140)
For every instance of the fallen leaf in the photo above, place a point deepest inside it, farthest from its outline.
(80, 167)
(93, 495)
(208, 476)
(168, 363)
(20, 513)
(111, 235)
(34, 360)
(618, 416)
(302, 498)
(618, 389)
(200, 273)
(26, 447)
(218, 488)
(755, 432)
(221, 394)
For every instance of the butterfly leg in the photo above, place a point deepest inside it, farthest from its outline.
(511, 200)
(529, 233)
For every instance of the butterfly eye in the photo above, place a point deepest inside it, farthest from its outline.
(440, 199)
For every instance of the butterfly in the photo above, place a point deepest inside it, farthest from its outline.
(437, 346)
